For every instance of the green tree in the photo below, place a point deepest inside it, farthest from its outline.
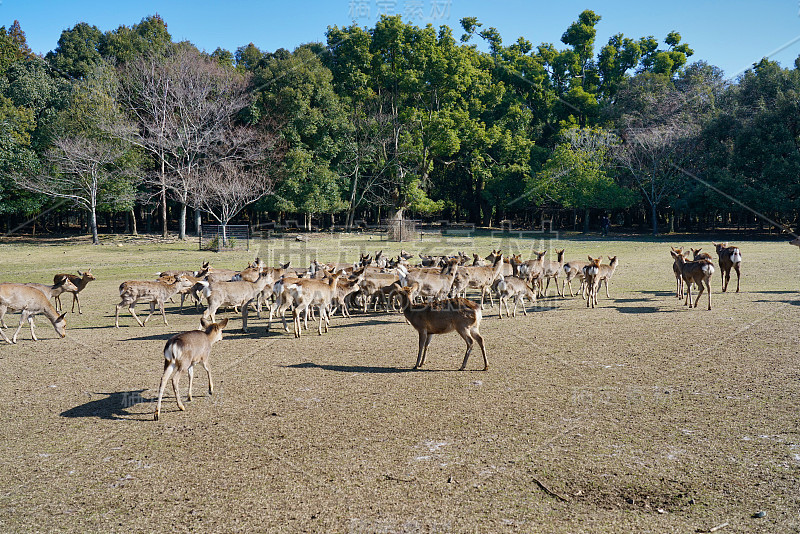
(77, 52)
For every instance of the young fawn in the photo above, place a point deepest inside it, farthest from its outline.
(181, 353)
(441, 317)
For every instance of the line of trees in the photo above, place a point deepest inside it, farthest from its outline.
(394, 117)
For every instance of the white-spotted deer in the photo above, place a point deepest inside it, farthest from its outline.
(697, 272)
(441, 317)
(181, 353)
(729, 257)
(29, 301)
(156, 293)
(79, 281)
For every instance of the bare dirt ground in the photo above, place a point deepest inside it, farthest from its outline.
(640, 415)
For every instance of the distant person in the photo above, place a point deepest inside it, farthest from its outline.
(605, 224)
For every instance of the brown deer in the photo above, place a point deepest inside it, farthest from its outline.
(441, 317)
(729, 257)
(676, 270)
(591, 277)
(606, 272)
(79, 281)
(572, 270)
(516, 288)
(184, 350)
(697, 272)
(551, 269)
(697, 255)
(54, 291)
(30, 301)
(156, 293)
(309, 292)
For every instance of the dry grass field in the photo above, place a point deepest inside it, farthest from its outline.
(639, 415)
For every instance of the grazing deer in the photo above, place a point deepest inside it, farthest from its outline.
(729, 257)
(79, 281)
(516, 288)
(441, 317)
(676, 269)
(184, 350)
(698, 272)
(156, 293)
(30, 301)
(591, 277)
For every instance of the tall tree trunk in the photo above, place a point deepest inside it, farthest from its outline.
(182, 223)
(163, 210)
(93, 225)
(198, 221)
(654, 215)
(586, 215)
(134, 231)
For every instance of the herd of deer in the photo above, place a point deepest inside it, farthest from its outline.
(431, 295)
(699, 270)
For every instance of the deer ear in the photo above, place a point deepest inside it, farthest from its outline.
(223, 323)
(204, 322)
(61, 317)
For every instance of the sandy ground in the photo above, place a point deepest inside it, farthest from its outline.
(640, 415)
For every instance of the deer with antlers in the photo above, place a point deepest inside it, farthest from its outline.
(441, 317)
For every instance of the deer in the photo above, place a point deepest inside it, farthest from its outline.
(156, 293)
(63, 285)
(461, 315)
(433, 284)
(80, 282)
(512, 286)
(551, 269)
(30, 301)
(481, 278)
(729, 257)
(606, 272)
(572, 270)
(676, 269)
(591, 280)
(698, 272)
(184, 350)
(234, 293)
(344, 289)
(307, 293)
(531, 270)
(697, 255)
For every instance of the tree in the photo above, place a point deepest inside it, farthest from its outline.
(77, 52)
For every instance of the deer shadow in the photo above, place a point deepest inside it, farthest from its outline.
(356, 368)
(112, 407)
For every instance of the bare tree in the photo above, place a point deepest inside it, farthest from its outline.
(82, 168)
(185, 105)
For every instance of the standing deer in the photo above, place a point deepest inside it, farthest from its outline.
(551, 269)
(29, 301)
(591, 278)
(181, 353)
(441, 317)
(729, 257)
(516, 288)
(573, 269)
(606, 272)
(308, 293)
(156, 293)
(676, 270)
(80, 282)
(698, 272)
(54, 291)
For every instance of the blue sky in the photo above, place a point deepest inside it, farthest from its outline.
(732, 34)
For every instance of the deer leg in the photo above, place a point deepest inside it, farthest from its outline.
(2, 334)
(176, 378)
(699, 293)
(737, 268)
(152, 311)
(133, 312)
(161, 306)
(210, 382)
(3, 309)
(190, 372)
(723, 278)
(708, 285)
(22, 319)
(466, 334)
(168, 369)
(477, 337)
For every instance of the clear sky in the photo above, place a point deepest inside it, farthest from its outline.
(732, 34)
